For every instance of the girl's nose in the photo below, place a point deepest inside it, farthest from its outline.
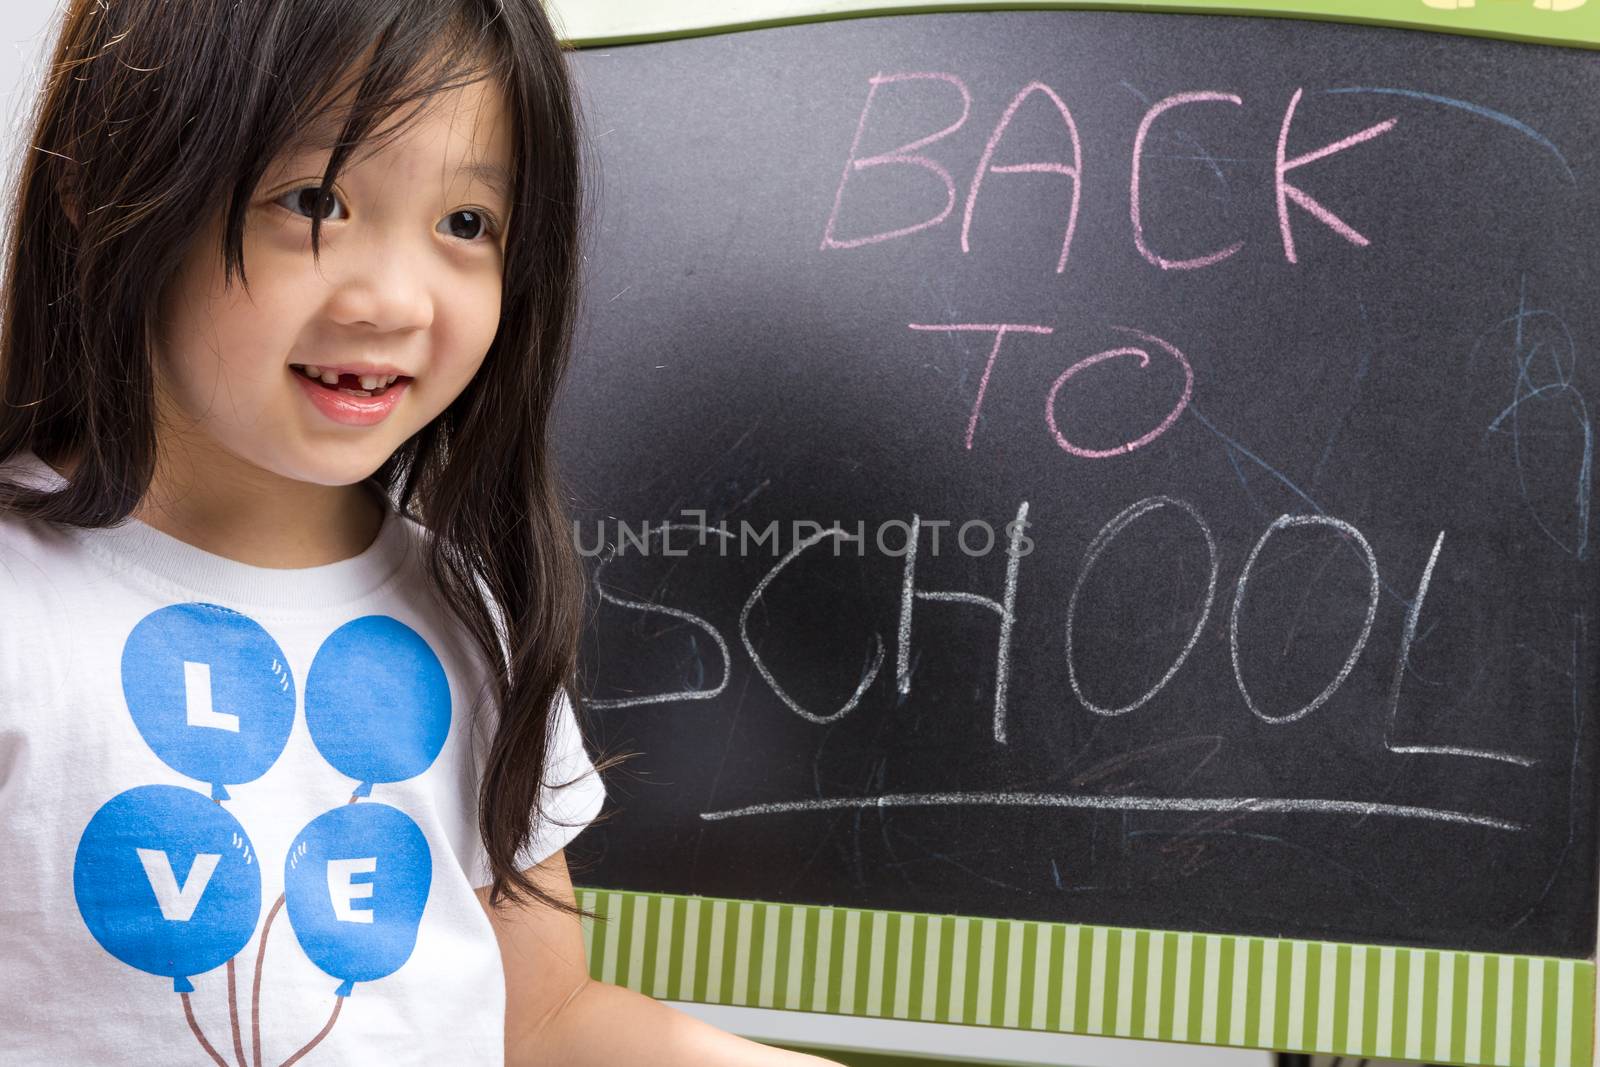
(383, 289)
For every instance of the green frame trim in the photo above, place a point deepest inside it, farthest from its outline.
(597, 23)
(1211, 989)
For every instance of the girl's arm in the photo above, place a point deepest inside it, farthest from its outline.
(556, 1015)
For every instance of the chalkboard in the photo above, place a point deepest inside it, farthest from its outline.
(1242, 369)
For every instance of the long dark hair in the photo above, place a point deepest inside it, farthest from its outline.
(155, 115)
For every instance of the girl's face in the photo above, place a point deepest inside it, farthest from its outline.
(412, 250)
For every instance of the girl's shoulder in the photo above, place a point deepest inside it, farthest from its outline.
(41, 606)
(22, 539)
(34, 555)
(47, 598)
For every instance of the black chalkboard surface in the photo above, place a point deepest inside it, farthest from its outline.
(1237, 379)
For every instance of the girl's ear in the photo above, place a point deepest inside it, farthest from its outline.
(69, 196)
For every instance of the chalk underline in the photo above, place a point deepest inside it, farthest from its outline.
(1114, 803)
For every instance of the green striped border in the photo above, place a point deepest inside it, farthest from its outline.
(1212, 989)
(593, 23)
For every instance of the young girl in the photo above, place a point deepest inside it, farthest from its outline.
(288, 606)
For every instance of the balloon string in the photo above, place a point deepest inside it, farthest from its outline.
(188, 1013)
(338, 1002)
(255, 989)
(255, 997)
(233, 1014)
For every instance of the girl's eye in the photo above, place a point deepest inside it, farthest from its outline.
(304, 199)
(467, 224)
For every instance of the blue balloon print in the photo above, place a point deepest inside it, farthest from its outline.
(210, 692)
(166, 880)
(377, 701)
(354, 886)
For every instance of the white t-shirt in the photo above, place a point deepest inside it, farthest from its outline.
(187, 741)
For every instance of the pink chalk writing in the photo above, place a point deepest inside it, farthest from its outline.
(1287, 192)
(999, 330)
(1074, 170)
(1144, 361)
(1135, 200)
(909, 154)
(903, 154)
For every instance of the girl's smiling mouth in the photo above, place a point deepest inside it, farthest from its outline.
(358, 378)
(350, 399)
